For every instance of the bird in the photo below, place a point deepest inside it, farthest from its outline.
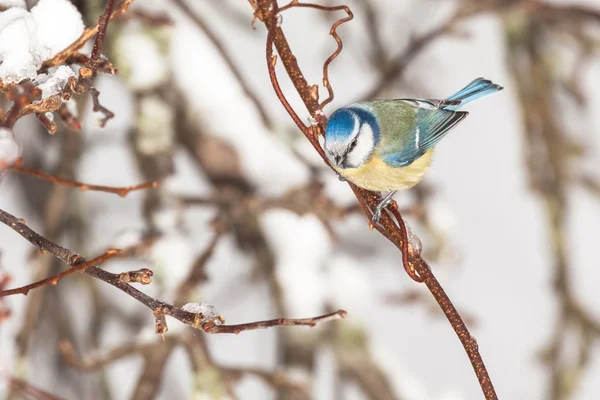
(387, 145)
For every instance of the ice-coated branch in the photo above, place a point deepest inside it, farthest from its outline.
(28, 98)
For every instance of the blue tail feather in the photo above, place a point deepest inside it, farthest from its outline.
(480, 87)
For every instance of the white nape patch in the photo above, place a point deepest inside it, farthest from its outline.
(364, 147)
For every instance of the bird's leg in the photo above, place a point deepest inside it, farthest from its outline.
(387, 200)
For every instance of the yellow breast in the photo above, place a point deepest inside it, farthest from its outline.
(376, 175)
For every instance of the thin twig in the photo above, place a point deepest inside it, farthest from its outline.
(121, 191)
(87, 34)
(98, 43)
(197, 272)
(53, 280)
(340, 314)
(332, 32)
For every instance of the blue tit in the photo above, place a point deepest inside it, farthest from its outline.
(387, 145)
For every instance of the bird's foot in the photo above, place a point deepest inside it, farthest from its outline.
(379, 209)
(341, 178)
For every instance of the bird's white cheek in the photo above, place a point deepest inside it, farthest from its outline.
(364, 147)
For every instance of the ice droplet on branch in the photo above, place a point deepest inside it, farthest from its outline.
(208, 312)
(414, 243)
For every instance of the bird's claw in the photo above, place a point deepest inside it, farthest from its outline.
(341, 178)
(376, 217)
(379, 209)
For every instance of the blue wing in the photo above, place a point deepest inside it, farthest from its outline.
(435, 118)
(432, 123)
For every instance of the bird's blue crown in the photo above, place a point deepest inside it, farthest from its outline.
(346, 120)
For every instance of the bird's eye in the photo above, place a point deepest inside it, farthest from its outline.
(352, 144)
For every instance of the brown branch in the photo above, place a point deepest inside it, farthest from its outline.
(98, 43)
(267, 11)
(23, 96)
(53, 280)
(48, 123)
(332, 32)
(69, 119)
(5, 311)
(121, 191)
(143, 276)
(102, 64)
(197, 272)
(26, 96)
(96, 106)
(29, 391)
(159, 308)
(311, 322)
(88, 73)
(87, 34)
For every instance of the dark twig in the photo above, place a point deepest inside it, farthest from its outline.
(143, 276)
(53, 280)
(88, 73)
(96, 106)
(197, 272)
(5, 311)
(87, 34)
(71, 121)
(275, 322)
(159, 308)
(102, 25)
(332, 32)
(121, 191)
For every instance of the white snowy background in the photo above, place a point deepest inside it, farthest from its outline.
(501, 275)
